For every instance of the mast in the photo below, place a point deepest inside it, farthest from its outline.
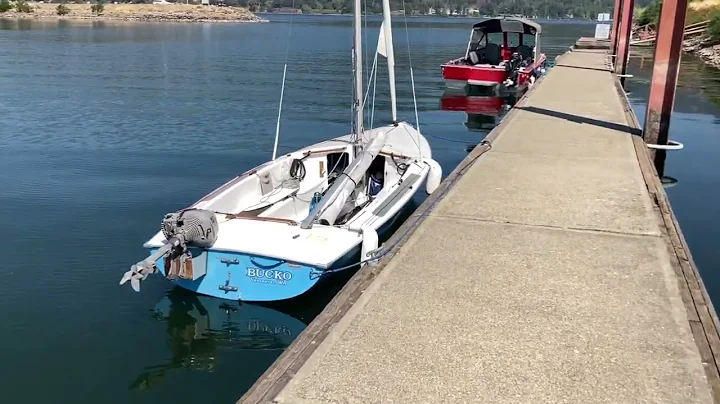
(387, 33)
(357, 45)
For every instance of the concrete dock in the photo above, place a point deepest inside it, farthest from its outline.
(547, 268)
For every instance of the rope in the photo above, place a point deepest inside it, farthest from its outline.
(447, 139)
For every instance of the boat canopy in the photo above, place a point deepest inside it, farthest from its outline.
(508, 24)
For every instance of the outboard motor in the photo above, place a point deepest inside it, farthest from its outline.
(512, 66)
(183, 229)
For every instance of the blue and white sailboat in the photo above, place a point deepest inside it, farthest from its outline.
(273, 232)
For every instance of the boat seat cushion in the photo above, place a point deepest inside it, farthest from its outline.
(524, 51)
(473, 58)
(492, 54)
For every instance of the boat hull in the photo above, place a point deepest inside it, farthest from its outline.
(462, 75)
(252, 278)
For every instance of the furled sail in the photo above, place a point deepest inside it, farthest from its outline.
(334, 200)
(385, 45)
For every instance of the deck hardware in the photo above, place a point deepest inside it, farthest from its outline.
(227, 287)
(228, 261)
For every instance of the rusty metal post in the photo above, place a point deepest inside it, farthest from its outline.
(623, 47)
(666, 67)
(615, 26)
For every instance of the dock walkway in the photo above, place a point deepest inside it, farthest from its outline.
(547, 273)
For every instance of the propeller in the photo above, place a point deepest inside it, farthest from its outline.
(138, 272)
(141, 270)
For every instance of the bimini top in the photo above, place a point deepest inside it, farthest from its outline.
(508, 24)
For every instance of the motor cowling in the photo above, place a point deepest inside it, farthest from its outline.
(195, 227)
(183, 229)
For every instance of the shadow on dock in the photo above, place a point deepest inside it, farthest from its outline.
(583, 119)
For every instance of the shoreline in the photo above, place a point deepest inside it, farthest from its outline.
(183, 13)
(700, 47)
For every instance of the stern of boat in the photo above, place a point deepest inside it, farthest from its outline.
(238, 276)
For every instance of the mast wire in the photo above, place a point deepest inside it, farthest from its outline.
(282, 89)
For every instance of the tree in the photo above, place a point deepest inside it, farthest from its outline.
(62, 9)
(650, 14)
(97, 8)
(23, 7)
(714, 27)
(306, 9)
(5, 6)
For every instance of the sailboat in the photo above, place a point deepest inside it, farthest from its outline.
(275, 231)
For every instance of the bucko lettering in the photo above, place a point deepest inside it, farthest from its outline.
(268, 275)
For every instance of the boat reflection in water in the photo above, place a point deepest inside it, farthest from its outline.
(199, 327)
(483, 107)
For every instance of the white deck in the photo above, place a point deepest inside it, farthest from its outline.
(321, 245)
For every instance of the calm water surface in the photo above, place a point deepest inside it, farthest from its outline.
(695, 123)
(106, 127)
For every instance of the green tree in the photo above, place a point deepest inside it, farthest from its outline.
(649, 15)
(5, 6)
(97, 8)
(62, 9)
(23, 7)
(714, 27)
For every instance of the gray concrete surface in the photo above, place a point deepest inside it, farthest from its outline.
(542, 277)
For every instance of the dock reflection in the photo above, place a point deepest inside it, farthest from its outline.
(199, 327)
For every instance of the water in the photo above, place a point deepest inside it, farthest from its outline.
(108, 126)
(695, 123)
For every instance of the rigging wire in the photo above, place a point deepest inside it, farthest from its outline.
(372, 111)
(367, 69)
(373, 73)
(282, 89)
(412, 74)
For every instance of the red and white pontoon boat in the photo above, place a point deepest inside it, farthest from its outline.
(502, 52)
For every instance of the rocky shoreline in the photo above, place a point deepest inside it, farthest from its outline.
(140, 13)
(702, 48)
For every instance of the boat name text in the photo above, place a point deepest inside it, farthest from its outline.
(268, 276)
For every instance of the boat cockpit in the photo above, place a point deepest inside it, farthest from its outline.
(498, 41)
